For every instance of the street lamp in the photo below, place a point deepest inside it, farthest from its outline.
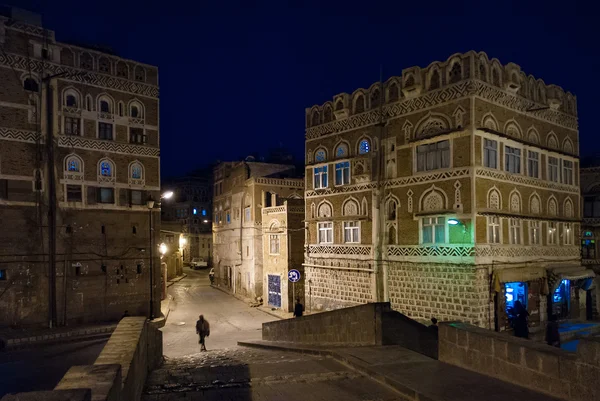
(162, 249)
(150, 203)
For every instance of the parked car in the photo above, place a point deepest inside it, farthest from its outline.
(198, 263)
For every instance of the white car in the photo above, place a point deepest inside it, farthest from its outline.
(198, 263)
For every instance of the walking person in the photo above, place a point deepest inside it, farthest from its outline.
(552, 334)
(521, 324)
(298, 309)
(203, 331)
(211, 276)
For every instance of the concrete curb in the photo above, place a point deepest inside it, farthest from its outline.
(353, 363)
(176, 280)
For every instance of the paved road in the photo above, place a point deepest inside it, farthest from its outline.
(245, 374)
(231, 320)
(42, 368)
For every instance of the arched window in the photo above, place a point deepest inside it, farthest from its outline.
(88, 103)
(122, 70)
(341, 150)
(71, 100)
(364, 147)
(31, 85)
(339, 105)
(105, 106)
(375, 98)
(495, 77)
(359, 104)
(106, 168)
(393, 92)
(104, 65)
(434, 81)
(120, 109)
(135, 111)
(410, 81)
(392, 207)
(455, 73)
(320, 155)
(140, 73)
(86, 61)
(73, 164)
(482, 71)
(315, 118)
(136, 171)
(327, 114)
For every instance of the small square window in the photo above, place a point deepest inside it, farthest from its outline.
(69, 230)
(139, 268)
(2, 274)
(74, 193)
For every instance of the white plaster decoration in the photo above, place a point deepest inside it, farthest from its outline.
(432, 124)
(71, 141)
(534, 204)
(512, 128)
(515, 202)
(337, 250)
(365, 207)
(458, 115)
(524, 180)
(568, 146)
(433, 201)
(568, 207)
(494, 201)
(351, 207)
(552, 141)
(489, 122)
(533, 136)
(309, 156)
(407, 129)
(409, 201)
(457, 193)
(552, 207)
(325, 209)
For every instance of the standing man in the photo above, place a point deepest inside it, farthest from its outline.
(203, 330)
(298, 309)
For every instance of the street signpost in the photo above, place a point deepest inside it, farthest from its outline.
(294, 276)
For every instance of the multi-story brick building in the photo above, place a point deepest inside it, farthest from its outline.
(283, 250)
(590, 233)
(101, 113)
(241, 190)
(452, 191)
(191, 207)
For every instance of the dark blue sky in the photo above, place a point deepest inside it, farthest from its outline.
(235, 77)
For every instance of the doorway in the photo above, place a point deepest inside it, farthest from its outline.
(275, 290)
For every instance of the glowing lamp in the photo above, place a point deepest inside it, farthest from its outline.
(182, 242)
(167, 195)
(162, 248)
(453, 222)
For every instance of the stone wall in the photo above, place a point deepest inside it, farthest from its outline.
(359, 325)
(444, 291)
(550, 370)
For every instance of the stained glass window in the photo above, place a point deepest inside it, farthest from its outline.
(136, 171)
(365, 147)
(341, 151)
(320, 155)
(106, 169)
(73, 165)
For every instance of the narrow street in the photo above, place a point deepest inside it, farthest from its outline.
(231, 320)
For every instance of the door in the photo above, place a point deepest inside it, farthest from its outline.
(275, 290)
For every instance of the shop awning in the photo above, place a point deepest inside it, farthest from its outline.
(572, 272)
(520, 274)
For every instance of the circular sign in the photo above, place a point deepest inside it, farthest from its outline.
(294, 275)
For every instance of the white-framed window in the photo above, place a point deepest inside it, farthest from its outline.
(247, 214)
(274, 244)
(434, 230)
(514, 231)
(567, 173)
(533, 164)
(568, 233)
(342, 173)
(512, 157)
(494, 230)
(325, 233)
(351, 232)
(534, 233)
(490, 153)
(433, 156)
(320, 177)
(551, 233)
(553, 172)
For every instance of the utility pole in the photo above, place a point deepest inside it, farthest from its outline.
(51, 202)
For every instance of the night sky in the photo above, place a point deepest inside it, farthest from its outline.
(235, 77)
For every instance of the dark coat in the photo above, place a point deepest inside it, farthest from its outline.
(203, 328)
(298, 309)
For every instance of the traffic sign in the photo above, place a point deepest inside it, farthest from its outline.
(294, 275)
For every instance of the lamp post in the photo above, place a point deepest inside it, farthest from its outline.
(150, 203)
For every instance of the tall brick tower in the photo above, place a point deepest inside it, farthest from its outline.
(100, 112)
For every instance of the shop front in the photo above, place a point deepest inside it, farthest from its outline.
(570, 292)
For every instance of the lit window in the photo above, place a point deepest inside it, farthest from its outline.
(351, 232)
(515, 231)
(512, 160)
(364, 147)
(553, 169)
(228, 217)
(325, 233)
(73, 165)
(490, 153)
(433, 156)
(568, 172)
(136, 172)
(533, 164)
(195, 211)
(534, 232)
(106, 169)
(551, 233)
(320, 177)
(434, 230)
(494, 230)
(274, 244)
(342, 173)
(320, 156)
(203, 212)
(515, 292)
(341, 151)
(568, 233)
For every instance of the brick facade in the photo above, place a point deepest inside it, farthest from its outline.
(102, 184)
(397, 173)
